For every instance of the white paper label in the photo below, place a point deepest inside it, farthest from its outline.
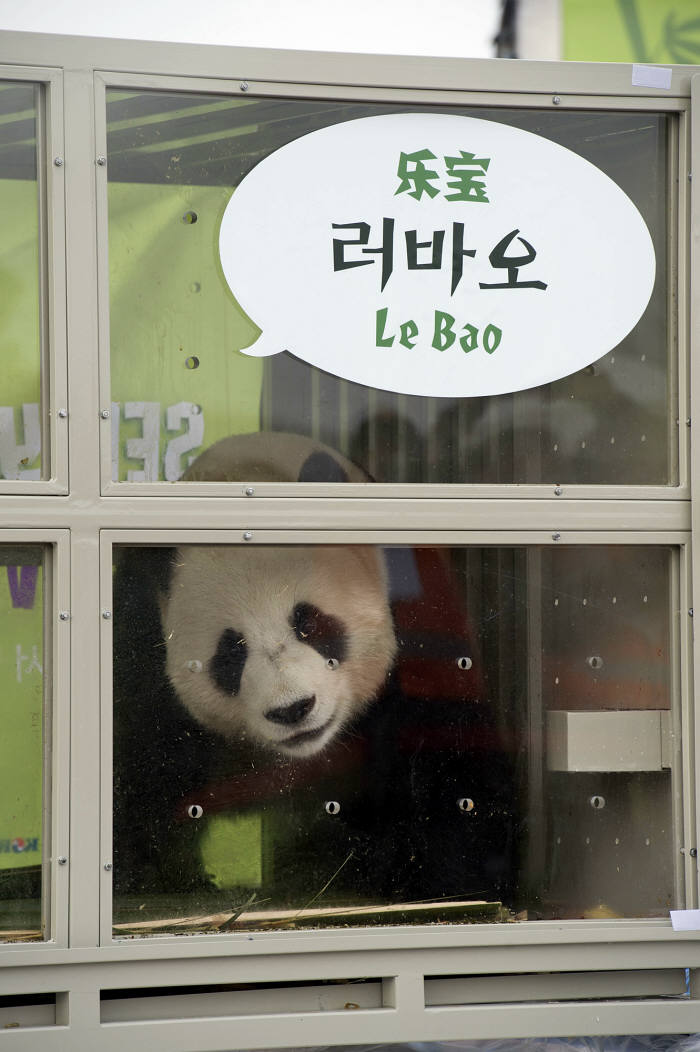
(434, 254)
(651, 77)
(685, 920)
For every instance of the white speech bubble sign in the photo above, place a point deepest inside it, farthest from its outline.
(432, 207)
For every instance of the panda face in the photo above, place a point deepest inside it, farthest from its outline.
(278, 646)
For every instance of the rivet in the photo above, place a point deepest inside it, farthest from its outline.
(108, 866)
(556, 99)
(63, 413)
(693, 852)
(106, 614)
(64, 615)
(332, 807)
(690, 612)
(466, 804)
(247, 536)
(58, 161)
(104, 413)
(249, 491)
(61, 860)
(557, 491)
(243, 85)
(556, 536)
(101, 160)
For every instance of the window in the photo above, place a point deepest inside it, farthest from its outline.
(343, 717)
(33, 413)
(180, 377)
(20, 415)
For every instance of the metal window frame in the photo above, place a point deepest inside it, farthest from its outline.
(681, 646)
(57, 726)
(52, 284)
(524, 99)
(80, 959)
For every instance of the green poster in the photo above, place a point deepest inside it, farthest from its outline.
(641, 31)
(21, 710)
(179, 381)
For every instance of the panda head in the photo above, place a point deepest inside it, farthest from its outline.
(278, 646)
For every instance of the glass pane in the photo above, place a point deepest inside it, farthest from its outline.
(319, 736)
(20, 294)
(180, 381)
(23, 717)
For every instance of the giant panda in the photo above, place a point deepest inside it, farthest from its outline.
(292, 642)
(236, 658)
(338, 691)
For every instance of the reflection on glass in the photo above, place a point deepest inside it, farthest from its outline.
(20, 323)
(176, 158)
(607, 1043)
(342, 735)
(22, 741)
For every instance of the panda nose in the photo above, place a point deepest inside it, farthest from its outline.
(291, 714)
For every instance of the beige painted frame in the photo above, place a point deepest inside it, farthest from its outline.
(52, 284)
(535, 970)
(677, 307)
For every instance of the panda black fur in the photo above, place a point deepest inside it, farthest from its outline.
(229, 656)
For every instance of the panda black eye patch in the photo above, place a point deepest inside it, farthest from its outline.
(325, 633)
(227, 664)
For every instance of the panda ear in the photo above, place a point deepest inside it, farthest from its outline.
(321, 467)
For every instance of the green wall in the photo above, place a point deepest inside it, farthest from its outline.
(642, 31)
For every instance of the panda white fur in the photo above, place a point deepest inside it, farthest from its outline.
(279, 647)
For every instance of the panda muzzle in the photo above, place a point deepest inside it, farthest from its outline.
(291, 715)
